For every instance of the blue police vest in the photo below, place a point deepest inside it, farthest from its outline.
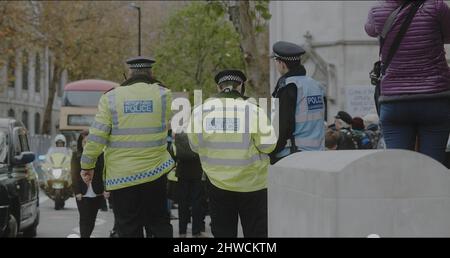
(309, 133)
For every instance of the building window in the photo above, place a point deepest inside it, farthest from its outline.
(25, 70)
(37, 75)
(37, 123)
(4, 150)
(11, 69)
(25, 119)
(11, 113)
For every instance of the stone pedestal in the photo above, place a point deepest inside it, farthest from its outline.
(390, 193)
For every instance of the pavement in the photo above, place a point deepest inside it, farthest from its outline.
(64, 223)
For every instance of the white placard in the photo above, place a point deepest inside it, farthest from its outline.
(359, 100)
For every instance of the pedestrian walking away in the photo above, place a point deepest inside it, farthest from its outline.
(131, 128)
(190, 186)
(89, 197)
(234, 157)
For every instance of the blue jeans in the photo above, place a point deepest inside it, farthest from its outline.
(426, 120)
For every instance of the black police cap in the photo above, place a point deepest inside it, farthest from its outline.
(230, 75)
(287, 51)
(344, 116)
(140, 62)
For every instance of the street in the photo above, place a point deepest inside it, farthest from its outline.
(64, 223)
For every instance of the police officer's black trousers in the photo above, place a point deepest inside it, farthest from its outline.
(226, 207)
(190, 194)
(140, 206)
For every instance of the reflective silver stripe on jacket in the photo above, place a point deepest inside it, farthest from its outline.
(86, 159)
(243, 145)
(305, 142)
(136, 131)
(302, 109)
(265, 146)
(302, 117)
(234, 162)
(131, 145)
(229, 109)
(97, 139)
(112, 108)
(101, 127)
(163, 109)
(197, 112)
(247, 119)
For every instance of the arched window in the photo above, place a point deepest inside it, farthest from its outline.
(25, 70)
(11, 113)
(37, 123)
(25, 119)
(37, 75)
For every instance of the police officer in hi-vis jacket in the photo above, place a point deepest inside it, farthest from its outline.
(301, 104)
(131, 129)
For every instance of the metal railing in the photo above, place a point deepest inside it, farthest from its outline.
(39, 144)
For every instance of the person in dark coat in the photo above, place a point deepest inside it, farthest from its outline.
(190, 187)
(360, 134)
(90, 197)
(343, 122)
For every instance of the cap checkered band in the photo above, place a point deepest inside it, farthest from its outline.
(287, 58)
(140, 65)
(230, 78)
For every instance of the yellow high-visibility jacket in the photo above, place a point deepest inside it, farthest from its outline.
(131, 128)
(233, 156)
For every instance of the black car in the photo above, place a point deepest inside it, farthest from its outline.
(19, 191)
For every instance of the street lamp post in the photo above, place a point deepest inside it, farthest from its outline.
(133, 5)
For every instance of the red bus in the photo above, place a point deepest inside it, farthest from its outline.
(79, 103)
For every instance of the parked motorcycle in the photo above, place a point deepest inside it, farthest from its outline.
(57, 182)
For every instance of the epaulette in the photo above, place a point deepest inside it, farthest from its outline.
(282, 83)
(252, 101)
(161, 84)
(109, 90)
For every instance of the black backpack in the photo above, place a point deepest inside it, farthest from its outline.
(346, 141)
(183, 149)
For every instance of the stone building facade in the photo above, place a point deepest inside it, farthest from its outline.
(24, 83)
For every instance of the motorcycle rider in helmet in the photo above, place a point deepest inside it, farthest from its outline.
(60, 140)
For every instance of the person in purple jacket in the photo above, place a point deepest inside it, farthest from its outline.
(415, 90)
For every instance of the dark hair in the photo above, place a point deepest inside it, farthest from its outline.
(142, 72)
(83, 134)
(358, 123)
(291, 65)
(331, 139)
(233, 84)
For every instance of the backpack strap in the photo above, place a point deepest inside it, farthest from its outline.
(403, 29)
